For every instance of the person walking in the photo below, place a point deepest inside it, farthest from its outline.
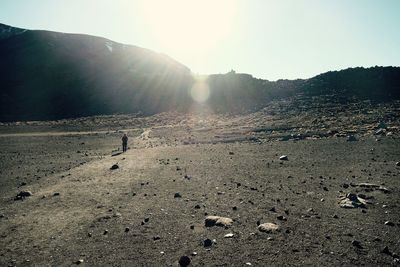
(124, 142)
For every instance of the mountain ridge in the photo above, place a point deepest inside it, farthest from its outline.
(50, 75)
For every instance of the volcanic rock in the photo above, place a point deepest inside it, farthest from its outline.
(218, 221)
(352, 201)
(268, 227)
(184, 261)
(114, 167)
(283, 157)
(23, 195)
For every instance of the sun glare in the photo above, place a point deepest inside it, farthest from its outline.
(188, 26)
(200, 90)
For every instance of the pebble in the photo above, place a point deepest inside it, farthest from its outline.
(398, 163)
(356, 243)
(207, 243)
(389, 223)
(351, 138)
(184, 261)
(386, 250)
(127, 229)
(230, 235)
(177, 195)
(105, 232)
(117, 214)
(56, 194)
(114, 167)
(281, 218)
(79, 261)
(284, 157)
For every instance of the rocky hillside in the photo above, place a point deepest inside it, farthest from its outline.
(49, 75)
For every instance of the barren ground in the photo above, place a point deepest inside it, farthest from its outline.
(220, 165)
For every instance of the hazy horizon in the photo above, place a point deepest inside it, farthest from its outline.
(267, 39)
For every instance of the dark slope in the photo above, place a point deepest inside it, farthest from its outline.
(49, 75)
(241, 92)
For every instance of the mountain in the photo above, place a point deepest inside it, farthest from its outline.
(50, 75)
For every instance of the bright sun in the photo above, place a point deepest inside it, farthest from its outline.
(189, 26)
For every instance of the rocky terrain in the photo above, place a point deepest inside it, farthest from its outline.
(306, 180)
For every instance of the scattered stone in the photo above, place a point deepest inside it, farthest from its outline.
(284, 157)
(356, 243)
(351, 138)
(268, 227)
(281, 218)
(187, 177)
(114, 167)
(234, 208)
(398, 163)
(117, 215)
(389, 223)
(373, 187)
(89, 234)
(231, 153)
(177, 195)
(197, 206)
(345, 185)
(22, 184)
(207, 243)
(56, 194)
(147, 219)
(127, 229)
(273, 209)
(218, 221)
(230, 235)
(194, 253)
(79, 261)
(22, 195)
(105, 232)
(352, 201)
(157, 237)
(386, 250)
(184, 261)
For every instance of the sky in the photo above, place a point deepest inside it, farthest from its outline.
(270, 39)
